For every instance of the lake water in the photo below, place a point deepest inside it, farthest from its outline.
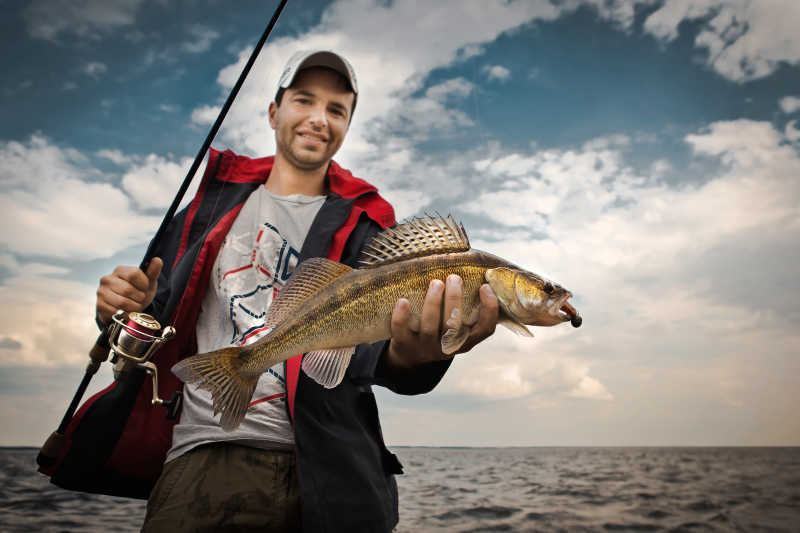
(503, 489)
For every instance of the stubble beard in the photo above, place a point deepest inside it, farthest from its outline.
(306, 164)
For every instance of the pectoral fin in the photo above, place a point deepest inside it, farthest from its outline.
(327, 367)
(516, 327)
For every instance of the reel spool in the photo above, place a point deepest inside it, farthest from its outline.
(134, 338)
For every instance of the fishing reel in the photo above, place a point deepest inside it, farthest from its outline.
(134, 338)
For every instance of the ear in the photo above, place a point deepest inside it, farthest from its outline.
(273, 110)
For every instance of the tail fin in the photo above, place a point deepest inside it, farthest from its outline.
(218, 373)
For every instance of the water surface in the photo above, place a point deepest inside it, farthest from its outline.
(503, 489)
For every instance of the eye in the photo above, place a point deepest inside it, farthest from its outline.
(548, 287)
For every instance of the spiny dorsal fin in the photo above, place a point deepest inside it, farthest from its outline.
(414, 238)
(308, 278)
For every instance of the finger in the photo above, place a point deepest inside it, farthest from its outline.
(134, 276)
(113, 285)
(452, 299)
(115, 301)
(401, 315)
(430, 316)
(488, 314)
(402, 339)
(105, 312)
(153, 270)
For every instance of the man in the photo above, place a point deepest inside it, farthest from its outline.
(304, 457)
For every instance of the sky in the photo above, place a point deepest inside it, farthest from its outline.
(644, 154)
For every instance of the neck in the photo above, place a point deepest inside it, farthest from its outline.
(286, 179)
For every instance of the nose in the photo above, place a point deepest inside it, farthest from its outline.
(318, 117)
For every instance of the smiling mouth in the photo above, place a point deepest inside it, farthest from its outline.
(312, 137)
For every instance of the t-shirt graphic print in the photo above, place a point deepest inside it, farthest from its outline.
(254, 263)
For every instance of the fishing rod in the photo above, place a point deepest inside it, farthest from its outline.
(135, 336)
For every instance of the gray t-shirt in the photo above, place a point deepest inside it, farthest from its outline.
(257, 257)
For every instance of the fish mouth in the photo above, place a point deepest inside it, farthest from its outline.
(569, 313)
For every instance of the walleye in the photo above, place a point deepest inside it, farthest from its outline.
(328, 308)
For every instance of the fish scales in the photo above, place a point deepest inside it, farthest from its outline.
(328, 308)
(357, 307)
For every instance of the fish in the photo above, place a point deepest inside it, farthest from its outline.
(327, 308)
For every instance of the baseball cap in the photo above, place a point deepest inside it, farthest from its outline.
(317, 58)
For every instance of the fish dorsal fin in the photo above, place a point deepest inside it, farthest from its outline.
(308, 278)
(414, 238)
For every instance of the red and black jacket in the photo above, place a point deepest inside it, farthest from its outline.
(117, 442)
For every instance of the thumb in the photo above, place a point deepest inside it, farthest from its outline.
(154, 269)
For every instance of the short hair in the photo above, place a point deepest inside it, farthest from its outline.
(342, 79)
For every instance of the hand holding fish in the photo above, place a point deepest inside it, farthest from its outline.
(127, 288)
(417, 341)
(328, 308)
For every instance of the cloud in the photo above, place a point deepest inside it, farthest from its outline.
(153, 56)
(456, 87)
(742, 143)
(7, 343)
(94, 69)
(115, 156)
(57, 206)
(36, 336)
(504, 368)
(790, 104)
(497, 73)
(48, 19)
(54, 203)
(663, 275)
(745, 39)
(154, 180)
(202, 37)
(687, 291)
(792, 132)
(492, 381)
(345, 26)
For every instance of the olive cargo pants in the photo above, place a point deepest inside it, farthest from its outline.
(225, 487)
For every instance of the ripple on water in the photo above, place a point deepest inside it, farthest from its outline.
(692, 527)
(703, 506)
(483, 512)
(611, 526)
(491, 527)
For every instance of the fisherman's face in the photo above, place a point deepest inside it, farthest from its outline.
(313, 118)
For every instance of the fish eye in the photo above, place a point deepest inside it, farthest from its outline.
(548, 287)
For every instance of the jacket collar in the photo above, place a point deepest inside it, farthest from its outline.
(241, 169)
